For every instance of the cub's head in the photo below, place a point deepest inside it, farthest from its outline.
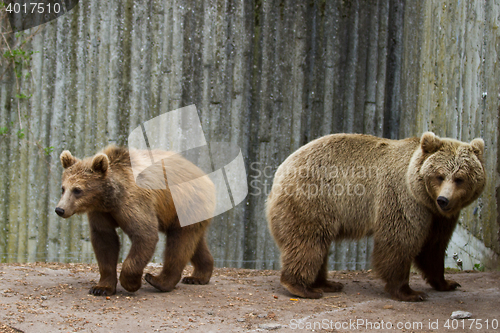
(445, 174)
(84, 184)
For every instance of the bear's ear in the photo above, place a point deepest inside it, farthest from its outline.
(100, 163)
(478, 147)
(430, 143)
(67, 159)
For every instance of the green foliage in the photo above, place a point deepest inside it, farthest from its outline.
(20, 58)
(48, 150)
(23, 96)
(479, 267)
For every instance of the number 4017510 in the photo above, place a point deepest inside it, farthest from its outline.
(33, 8)
(471, 324)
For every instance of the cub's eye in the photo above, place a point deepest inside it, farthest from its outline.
(62, 189)
(77, 191)
(440, 178)
(459, 181)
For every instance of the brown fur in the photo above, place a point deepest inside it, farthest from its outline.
(103, 186)
(350, 186)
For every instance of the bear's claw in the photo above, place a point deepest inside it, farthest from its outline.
(102, 291)
(193, 280)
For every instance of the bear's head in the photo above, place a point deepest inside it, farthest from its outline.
(446, 175)
(84, 184)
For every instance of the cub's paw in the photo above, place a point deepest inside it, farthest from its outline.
(131, 283)
(194, 280)
(157, 283)
(102, 291)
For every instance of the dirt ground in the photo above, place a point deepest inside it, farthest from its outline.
(50, 297)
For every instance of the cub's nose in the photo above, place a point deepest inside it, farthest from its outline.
(443, 202)
(59, 211)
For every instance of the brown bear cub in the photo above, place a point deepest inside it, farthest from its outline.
(407, 194)
(103, 186)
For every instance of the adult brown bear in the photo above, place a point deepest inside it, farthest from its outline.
(103, 186)
(406, 193)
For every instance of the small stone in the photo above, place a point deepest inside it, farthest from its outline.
(210, 313)
(241, 320)
(460, 315)
(262, 316)
(388, 306)
(44, 298)
(269, 326)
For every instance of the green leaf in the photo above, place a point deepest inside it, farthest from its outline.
(20, 133)
(48, 150)
(23, 96)
(3, 130)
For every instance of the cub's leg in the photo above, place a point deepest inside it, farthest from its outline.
(430, 260)
(203, 263)
(181, 245)
(321, 281)
(144, 236)
(392, 263)
(106, 245)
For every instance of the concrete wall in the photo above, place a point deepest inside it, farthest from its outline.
(268, 76)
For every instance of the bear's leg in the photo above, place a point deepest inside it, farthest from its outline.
(106, 245)
(203, 263)
(393, 266)
(181, 245)
(321, 281)
(430, 260)
(142, 250)
(301, 265)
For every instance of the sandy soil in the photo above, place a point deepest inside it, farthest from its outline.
(46, 297)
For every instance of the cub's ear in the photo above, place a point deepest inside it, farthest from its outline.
(430, 143)
(100, 163)
(67, 159)
(478, 147)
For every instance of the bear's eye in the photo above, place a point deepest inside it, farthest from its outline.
(77, 191)
(459, 181)
(62, 189)
(440, 178)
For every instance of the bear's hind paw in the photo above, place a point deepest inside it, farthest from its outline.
(413, 296)
(156, 282)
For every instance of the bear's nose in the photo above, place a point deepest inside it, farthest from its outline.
(443, 202)
(59, 211)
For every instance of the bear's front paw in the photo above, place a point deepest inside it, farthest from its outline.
(329, 286)
(102, 291)
(445, 285)
(131, 282)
